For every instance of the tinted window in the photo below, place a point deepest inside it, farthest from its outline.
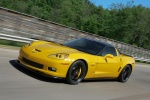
(86, 45)
(109, 50)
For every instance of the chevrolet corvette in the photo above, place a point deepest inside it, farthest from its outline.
(76, 60)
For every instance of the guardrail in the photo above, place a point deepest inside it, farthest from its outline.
(15, 38)
(27, 40)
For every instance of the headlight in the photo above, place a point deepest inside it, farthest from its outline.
(29, 44)
(58, 56)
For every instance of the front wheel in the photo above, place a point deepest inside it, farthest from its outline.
(125, 74)
(76, 72)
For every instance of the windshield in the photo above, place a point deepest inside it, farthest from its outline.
(85, 45)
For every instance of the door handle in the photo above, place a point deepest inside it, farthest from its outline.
(106, 60)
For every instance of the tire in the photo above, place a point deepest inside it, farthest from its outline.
(125, 74)
(76, 72)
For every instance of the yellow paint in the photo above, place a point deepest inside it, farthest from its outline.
(42, 52)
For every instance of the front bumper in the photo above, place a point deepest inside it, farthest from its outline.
(37, 72)
(41, 65)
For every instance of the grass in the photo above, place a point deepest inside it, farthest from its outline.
(12, 43)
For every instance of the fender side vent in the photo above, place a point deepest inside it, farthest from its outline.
(119, 69)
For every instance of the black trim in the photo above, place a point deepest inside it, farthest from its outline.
(32, 63)
(37, 72)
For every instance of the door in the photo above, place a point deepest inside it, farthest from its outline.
(108, 64)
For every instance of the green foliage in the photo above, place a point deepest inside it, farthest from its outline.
(12, 43)
(127, 23)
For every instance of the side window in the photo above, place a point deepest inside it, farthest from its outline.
(109, 50)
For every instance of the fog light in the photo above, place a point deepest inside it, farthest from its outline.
(52, 69)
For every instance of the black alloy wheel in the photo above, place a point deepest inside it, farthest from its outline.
(76, 72)
(125, 74)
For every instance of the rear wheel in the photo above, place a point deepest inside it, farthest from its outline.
(76, 72)
(125, 74)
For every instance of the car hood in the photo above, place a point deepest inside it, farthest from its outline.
(53, 48)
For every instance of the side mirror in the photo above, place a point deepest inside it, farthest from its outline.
(109, 56)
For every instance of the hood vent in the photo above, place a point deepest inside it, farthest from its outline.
(37, 50)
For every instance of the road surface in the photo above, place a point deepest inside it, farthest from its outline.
(17, 83)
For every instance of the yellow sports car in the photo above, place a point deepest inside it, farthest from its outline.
(76, 60)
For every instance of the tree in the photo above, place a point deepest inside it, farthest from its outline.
(123, 22)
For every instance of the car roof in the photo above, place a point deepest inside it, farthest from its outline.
(104, 43)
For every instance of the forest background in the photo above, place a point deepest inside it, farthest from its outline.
(127, 23)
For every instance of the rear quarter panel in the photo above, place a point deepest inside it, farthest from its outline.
(126, 60)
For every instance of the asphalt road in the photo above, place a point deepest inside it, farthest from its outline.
(17, 83)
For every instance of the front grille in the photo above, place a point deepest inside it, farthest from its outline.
(34, 64)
